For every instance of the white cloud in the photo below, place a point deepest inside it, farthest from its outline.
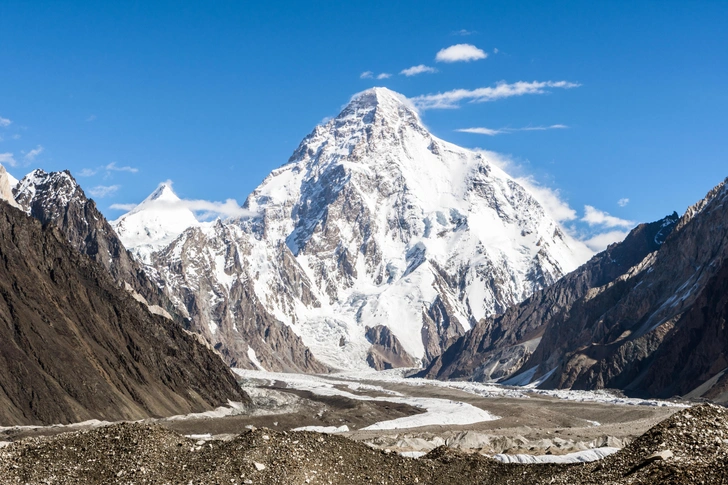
(87, 172)
(596, 217)
(113, 168)
(500, 131)
(122, 207)
(366, 75)
(599, 242)
(482, 131)
(451, 99)
(30, 156)
(415, 70)
(102, 191)
(384, 75)
(4, 122)
(207, 209)
(460, 53)
(495, 50)
(550, 199)
(7, 159)
(464, 32)
(623, 202)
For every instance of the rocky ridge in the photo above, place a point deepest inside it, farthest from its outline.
(56, 198)
(656, 330)
(75, 346)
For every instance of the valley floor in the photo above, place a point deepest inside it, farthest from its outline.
(370, 427)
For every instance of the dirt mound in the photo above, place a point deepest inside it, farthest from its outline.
(689, 448)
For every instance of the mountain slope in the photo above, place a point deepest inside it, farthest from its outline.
(498, 346)
(74, 346)
(658, 329)
(372, 222)
(56, 198)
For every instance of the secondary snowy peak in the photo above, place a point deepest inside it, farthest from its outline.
(155, 222)
(373, 222)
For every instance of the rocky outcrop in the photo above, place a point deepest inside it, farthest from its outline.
(74, 346)
(386, 352)
(498, 347)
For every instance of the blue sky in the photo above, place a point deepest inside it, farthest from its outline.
(214, 95)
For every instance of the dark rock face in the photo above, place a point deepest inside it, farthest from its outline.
(57, 199)
(497, 347)
(657, 329)
(386, 351)
(74, 346)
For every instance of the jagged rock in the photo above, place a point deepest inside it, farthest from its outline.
(74, 346)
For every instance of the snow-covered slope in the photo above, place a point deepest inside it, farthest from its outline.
(373, 223)
(154, 223)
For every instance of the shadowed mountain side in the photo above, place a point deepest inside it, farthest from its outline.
(497, 347)
(74, 346)
(56, 197)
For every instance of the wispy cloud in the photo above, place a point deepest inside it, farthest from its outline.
(4, 122)
(415, 70)
(366, 75)
(122, 207)
(464, 32)
(495, 50)
(102, 191)
(460, 53)
(502, 131)
(112, 167)
(550, 198)
(623, 202)
(596, 217)
(88, 172)
(91, 118)
(599, 242)
(452, 99)
(384, 75)
(31, 155)
(8, 159)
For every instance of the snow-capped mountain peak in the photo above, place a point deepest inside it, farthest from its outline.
(377, 243)
(155, 222)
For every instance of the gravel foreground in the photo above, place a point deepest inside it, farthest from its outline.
(690, 447)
